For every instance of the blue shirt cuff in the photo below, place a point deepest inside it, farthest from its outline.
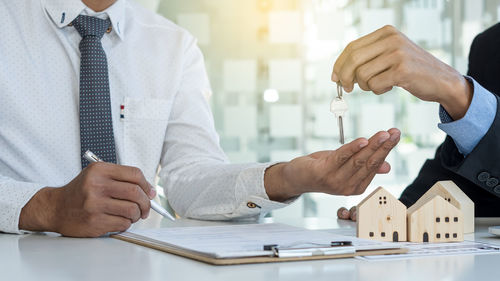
(468, 131)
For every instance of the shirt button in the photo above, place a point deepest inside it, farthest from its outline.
(484, 176)
(251, 205)
(492, 182)
(497, 189)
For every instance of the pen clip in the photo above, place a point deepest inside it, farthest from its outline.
(335, 247)
(91, 157)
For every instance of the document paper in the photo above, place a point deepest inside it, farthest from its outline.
(233, 241)
(417, 250)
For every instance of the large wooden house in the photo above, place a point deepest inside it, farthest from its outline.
(435, 219)
(454, 195)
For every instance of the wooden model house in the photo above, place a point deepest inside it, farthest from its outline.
(435, 220)
(453, 194)
(380, 216)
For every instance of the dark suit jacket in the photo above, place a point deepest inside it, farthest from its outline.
(449, 164)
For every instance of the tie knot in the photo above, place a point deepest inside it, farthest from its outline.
(91, 26)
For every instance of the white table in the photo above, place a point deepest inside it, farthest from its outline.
(49, 257)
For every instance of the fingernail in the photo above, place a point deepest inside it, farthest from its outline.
(394, 137)
(334, 77)
(152, 193)
(384, 138)
(345, 213)
(363, 144)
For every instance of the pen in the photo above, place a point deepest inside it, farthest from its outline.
(91, 157)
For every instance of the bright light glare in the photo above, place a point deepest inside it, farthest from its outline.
(271, 95)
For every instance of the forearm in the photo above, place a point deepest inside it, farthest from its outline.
(277, 187)
(219, 191)
(456, 97)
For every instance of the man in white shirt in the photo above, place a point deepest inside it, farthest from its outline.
(156, 89)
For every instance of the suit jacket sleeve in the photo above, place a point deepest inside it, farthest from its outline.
(478, 173)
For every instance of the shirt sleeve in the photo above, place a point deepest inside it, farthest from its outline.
(200, 182)
(15, 194)
(468, 131)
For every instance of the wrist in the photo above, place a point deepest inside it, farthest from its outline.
(277, 185)
(458, 98)
(40, 213)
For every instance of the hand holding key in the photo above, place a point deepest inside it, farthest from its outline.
(339, 108)
(386, 58)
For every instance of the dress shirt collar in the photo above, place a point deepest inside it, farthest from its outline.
(63, 12)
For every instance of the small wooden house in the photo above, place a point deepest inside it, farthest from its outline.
(453, 194)
(435, 220)
(380, 216)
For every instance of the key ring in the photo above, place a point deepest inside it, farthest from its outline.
(340, 91)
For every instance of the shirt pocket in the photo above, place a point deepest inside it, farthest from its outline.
(145, 125)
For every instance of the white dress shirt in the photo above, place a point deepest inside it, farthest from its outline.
(156, 71)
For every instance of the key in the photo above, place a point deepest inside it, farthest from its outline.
(339, 108)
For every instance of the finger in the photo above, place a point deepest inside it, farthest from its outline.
(123, 208)
(359, 57)
(367, 71)
(353, 213)
(385, 168)
(359, 160)
(365, 183)
(133, 175)
(116, 223)
(343, 213)
(384, 81)
(345, 152)
(130, 192)
(359, 43)
(375, 161)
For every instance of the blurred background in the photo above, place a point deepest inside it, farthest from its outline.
(270, 61)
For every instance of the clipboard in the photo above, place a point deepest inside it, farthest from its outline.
(336, 250)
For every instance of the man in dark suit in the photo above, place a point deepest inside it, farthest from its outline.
(470, 154)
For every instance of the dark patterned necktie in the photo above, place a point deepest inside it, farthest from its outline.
(96, 126)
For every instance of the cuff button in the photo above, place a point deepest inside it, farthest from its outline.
(484, 176)
(251, 205)
(492, 182)
(497, 190)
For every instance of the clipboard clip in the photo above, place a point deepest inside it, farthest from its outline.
(335, 248)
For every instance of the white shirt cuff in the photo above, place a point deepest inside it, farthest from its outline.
(255, 201)
(15, 196)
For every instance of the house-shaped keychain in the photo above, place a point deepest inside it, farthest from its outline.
(380, 216)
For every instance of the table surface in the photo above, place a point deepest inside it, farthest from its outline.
(50, 257)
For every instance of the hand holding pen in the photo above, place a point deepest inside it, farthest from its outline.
(102, 198)
(92, 158)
